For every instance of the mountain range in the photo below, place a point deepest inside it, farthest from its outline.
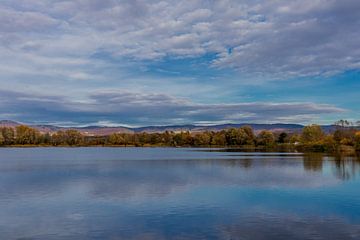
(106, 130)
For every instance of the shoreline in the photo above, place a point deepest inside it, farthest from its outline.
(287, 149)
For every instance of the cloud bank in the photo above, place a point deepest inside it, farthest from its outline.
(140, 109)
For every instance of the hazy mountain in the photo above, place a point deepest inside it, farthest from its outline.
(199, 128)
(8, 123)
(103, 130)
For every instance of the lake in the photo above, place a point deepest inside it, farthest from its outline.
(176, 193)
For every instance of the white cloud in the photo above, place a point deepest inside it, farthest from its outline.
(136, 108)
(23, 21)
(273, 38)
(81, 46)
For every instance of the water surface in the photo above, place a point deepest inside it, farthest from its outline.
(176, 193)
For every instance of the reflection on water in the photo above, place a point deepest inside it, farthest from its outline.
(344, 167)
(168, 193)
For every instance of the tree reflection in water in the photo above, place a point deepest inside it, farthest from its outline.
(344, 167)
(313, 162)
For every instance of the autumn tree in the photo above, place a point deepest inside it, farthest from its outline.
(250, 136)
(45, 138)
(344, 136)
(330, 143)
(58, 138)
(73, 137)
(155, 138)
(265, 138)
(202, 139)
(8, 135)
(294, 138)
(2, 139)
(26, 135)
(240, 136)
(116, 139)
(312, 133)
(183, 139)
(69, 137)
(219, 139)
(129, 139)
(167, 138)
(357, 141)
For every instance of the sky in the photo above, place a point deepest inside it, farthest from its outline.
(204, 62)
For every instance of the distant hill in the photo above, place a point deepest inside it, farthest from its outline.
(103, 130)
(199, 128)
(8, 123)
(88, 130)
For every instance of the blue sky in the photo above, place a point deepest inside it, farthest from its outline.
(139, 63)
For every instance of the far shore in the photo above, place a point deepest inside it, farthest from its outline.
(343, 149)
(312, 138)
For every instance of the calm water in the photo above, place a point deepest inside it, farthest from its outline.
(166, 193)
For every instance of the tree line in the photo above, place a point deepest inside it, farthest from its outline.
(311, 138)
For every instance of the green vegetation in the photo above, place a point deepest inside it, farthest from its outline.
(266, 138)
(311, 138)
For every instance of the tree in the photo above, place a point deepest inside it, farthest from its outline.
(266, 138)
(250, 136)
(343, 123)
(330, 143)
(202, 139)
(282, 137)
(338, 135)
(73, 137)
(311, 134)
(344, 136)
(240, 136)
(155, 138)
(167, 138)
(45, 138)
(2, 139)
(58, 138)
(26, 135)
(69, 137)
(183, 139)
(116, 139)
(295, 138)
(231, 136)
(129, 139)
(357, 141)
(8, 134)
(219, 139)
